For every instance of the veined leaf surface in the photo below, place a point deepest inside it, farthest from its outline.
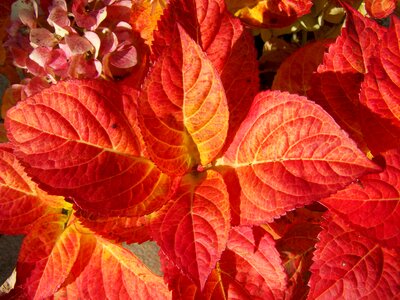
(71, 262)
(193, 228)
(381, 86)
(373, 203)
(269, 14)
(380, 9)
(228, 45)
(21, 201)
(78, 143)
(287, 153)
(248, 269)
(47, 256)
(348, 265)
(105, 270)
(184, 113)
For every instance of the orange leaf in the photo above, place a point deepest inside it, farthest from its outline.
(71, 262)
(380, 9)
(228, 45)
(79, 143)
(118, 229)
(144, 17)
(246, 270)
(287, 153)
(381, 87)
(373, 203)
(47, 256)
(21, 201)
(193, 229)
(184, 113)
(348, 265)
(275, 13)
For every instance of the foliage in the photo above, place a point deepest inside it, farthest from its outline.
(157, 128)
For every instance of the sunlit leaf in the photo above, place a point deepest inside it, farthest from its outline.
(71, 262)
(381, 87)
(193, 229)
(337, 84)
(21, 201)
(227, 44)
(183, 108)
(348, 265)
(117, 229)
(277, 13)
(47, 256)
(299, 230)
(380, 8)
(287, 153)
(144, 17)
(355, 45)
(248, 269)
(373, 203)
(104, 270)
(79, 143)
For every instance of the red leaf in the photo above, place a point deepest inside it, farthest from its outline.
(47, 256)
(245, 271)
(144, 17)
(294, 74)
(296, 236)
(117, 229)
(338, 93)
(355, 45)
(381, 87)
(21, 201)
(350, 266)
(287, 153)
(105, 270)
(78, 143)
(336, 86)
(380, 8)
(373, 203)
(193, 229)
(71, 262)
(184, 114)
(228, 46)
(270, 14)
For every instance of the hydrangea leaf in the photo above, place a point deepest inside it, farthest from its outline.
(373, 203)
(118, 229)
(21, 201)
(270, 14)
(246, 270)
(227, 44)
(183, 108)
(338, 93)
(350, 266)
(355, 45)
(380, 9)
(193, 229)
(288, 153)
(294, 74)
(78, 143)
(46, 258)
(70, 261)
(337, 83)
(144, 17)
(297, 232)
(105, 270)
(381, 86)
